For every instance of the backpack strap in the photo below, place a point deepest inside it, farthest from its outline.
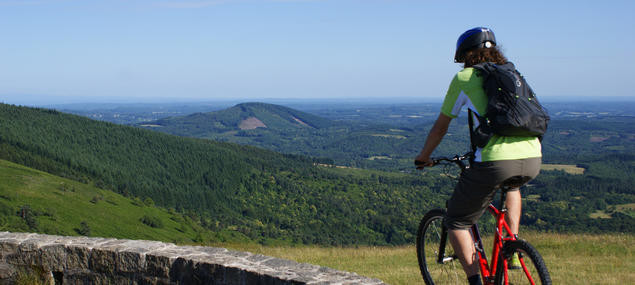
(483, 70)
(470, 121)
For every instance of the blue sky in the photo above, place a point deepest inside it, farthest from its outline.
(146, 50)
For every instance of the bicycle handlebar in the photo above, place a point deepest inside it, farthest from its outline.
(457, 159)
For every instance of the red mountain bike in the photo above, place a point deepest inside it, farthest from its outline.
(439, 264)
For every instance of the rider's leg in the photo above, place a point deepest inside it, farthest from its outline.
(530, 168)
(514, 209)
(463, 246)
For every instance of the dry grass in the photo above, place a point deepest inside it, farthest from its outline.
(389, 136)
(588, 259)
(571, 259)
(571, 169)
(599, 214)
(379, 157)
(625, 207)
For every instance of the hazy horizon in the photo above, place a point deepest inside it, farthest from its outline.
(48, 101)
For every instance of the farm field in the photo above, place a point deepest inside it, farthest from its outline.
(571, 258)
(571, 169)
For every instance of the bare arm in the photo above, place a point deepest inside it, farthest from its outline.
(438, 131)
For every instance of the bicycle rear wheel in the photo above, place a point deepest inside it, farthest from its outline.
(430, 241)
(532, 271)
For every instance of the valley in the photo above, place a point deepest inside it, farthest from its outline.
(325, 190)
(286, 195)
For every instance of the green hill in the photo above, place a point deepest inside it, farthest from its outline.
(287, 130)
(246, 116)
(270, 197)
(227, 187)
(34, 201)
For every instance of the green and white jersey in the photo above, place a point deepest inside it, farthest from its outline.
(466, 90)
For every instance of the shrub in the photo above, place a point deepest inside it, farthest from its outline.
(148, 202)
(29, 216)
(152, 221)
(83, 229)
(96, 199)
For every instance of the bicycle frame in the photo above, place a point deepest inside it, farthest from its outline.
(488, 270)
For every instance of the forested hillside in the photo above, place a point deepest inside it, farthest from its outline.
(598, 197)
(260, 194)
(265, 196)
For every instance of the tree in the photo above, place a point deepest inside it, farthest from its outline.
(83, 229)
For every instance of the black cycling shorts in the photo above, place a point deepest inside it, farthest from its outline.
(478, 184)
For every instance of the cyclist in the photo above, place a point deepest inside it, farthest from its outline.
(502, 160)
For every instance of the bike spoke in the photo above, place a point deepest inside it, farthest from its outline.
(531, 269)
(450, 270)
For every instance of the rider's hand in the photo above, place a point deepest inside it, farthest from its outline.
(422, 161)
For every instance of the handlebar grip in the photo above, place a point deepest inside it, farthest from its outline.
(422, 163)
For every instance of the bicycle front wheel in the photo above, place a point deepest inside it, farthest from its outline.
(532, 269)
(431, 241)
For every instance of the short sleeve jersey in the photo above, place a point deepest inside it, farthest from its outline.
(466, 90)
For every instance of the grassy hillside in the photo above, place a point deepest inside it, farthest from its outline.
(34, 201)
(570, 258)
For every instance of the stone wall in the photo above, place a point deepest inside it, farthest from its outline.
(83, 260)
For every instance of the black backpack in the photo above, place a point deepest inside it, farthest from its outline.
(512, 108)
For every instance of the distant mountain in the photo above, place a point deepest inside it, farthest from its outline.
(246, 116)
(286, 130)
(362, 143)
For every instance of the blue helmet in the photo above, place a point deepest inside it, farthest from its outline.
(474, 38)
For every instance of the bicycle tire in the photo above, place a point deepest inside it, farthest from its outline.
(532, 260)
(428, 246)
